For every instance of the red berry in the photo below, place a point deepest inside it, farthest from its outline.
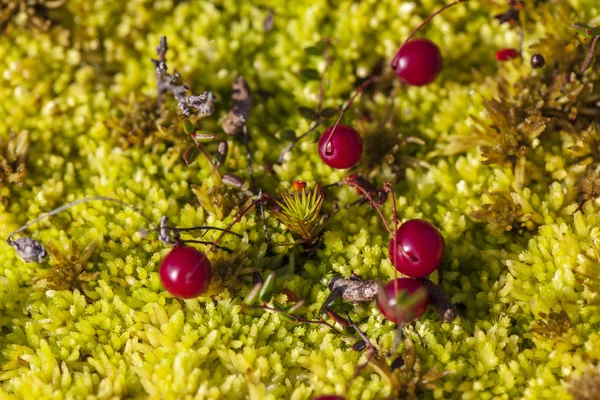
(418, 62)
(344, 148)
(506, 54)
(418, 248)
(388, 302)
(185, 272)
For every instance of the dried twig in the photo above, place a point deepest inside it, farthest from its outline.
(165, 82)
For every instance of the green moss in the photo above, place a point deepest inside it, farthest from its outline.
(527, 296)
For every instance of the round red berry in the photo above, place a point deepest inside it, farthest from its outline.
(506, 54)
(185, 272)
(417, 249)
(418, 62)
(342, 149)
(399, 312)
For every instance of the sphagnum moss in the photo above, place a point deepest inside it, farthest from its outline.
(527, 297)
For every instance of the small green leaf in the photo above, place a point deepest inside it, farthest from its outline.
(191, 154)
(296, 307)
(308, 113)
(253, 295)
(316, 50)
(279, 306)
(267, 288)
(309, 74)
(329, 112)
(287, 318)
(582, 28)
(188, 127)
(313, 51)
(286, 135)
(203, 136)
(595, 31)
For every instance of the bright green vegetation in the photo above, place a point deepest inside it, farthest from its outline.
(521, 220)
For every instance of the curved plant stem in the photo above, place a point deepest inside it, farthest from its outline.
(74, 203)
(290, 146)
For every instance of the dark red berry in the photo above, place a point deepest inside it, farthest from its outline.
(344, 148)
(418, 62)
(388, 302)
(185, 272)
(506, 54)
(329, 397)
(537, 61)
(418, 248)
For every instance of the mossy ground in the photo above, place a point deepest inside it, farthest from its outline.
(528, 323)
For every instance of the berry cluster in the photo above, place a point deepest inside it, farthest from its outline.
(416, 250)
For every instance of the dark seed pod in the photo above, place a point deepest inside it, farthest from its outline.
(538, 61)
(359, 346)
(233, 180)
(221, 154)
(397, 363)
(439, 301)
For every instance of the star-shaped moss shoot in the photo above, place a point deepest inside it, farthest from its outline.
(300, 212)
(68, 271)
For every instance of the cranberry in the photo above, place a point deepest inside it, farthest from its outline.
(418, 62)
(418, 248)
(388, 303)
(185, 272)
(343, 149)
(538, 61)
(506, 54)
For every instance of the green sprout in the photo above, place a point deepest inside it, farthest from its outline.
(300, 212)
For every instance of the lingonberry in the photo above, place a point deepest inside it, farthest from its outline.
(537, 61)
(418, 62)
(404, 311)
(506, 54)
(185, 272)
(340, 148)
(417, 248)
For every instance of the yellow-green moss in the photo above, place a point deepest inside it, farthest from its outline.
(129, 338)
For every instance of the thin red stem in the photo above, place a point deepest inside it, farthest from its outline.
(441, 10)
(371, 350)
(359, 91)
(203, 227)
(297, 318)
(213, 244)
(290, 146)
(377, 207)
(237, 219)
(202, 149)
(388, 188)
